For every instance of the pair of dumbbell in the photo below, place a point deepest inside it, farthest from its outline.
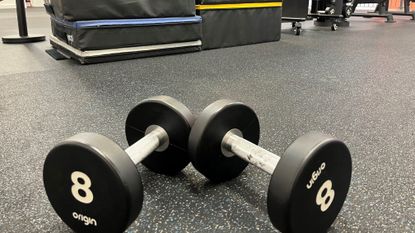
(94, 185)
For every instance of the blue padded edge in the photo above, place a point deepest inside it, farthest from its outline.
(129, 22)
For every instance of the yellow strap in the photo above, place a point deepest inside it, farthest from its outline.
(238, 6)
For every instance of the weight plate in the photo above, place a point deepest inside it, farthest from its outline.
(310, 184)
(208, 131)
(92, 184)
(175, 118)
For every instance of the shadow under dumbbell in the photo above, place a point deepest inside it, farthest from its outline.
(212, 207)
(244, 191)
(253, 196)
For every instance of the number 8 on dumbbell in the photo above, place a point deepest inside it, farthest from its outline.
(81, 182)
(94, 185)
(309, 183)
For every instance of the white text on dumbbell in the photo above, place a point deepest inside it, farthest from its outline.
(315, 175)
(87, 220)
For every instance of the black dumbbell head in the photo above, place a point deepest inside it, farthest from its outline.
(175, 118)
(310, 184)
(92, 184)
(207, 134)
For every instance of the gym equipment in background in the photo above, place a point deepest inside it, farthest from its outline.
(119, 30)
(23, 36)
(382, 10)
(406, 9)
(309, 183)
(229, 23)
(94, 185)
(295, 12)
(331, 13)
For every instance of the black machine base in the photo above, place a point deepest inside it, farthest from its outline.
(296, 25)
(16, 39)
(388, 17)
(329, 22)
(411, 14)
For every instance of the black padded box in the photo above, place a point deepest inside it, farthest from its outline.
(110, 34)
(232, 23)
(108, 40)
(76, 10)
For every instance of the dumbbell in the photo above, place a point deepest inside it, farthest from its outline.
(309, 183)
(94, 185)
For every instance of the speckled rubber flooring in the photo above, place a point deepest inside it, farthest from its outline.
(357, 83)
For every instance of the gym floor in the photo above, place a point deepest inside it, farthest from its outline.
(357, 84)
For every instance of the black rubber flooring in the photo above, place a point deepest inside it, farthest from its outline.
(357, 84)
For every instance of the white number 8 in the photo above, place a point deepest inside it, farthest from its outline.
(325, 201)
(85, 184)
